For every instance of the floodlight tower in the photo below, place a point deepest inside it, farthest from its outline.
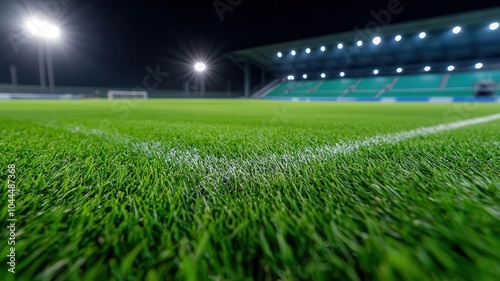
(47, 31)
(200, 68)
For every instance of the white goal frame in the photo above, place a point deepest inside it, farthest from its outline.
(114, 94)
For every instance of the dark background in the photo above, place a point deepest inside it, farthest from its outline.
(111, 42)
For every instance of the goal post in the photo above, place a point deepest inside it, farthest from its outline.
(115, 94)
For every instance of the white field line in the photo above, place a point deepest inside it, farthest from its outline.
(215, 170)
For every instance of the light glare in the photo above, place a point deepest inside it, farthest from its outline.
(200, 67)
(398, 38)
(308, 50)
(427, 68)
(304, 76)
(377, 40)
(360, 43)
(478, 65)
(42, 28)
(451, 68)
(293, 52)
(422, 35)
(399, 70)
(323, 48)
(279, 54)
(323, 75)
(342, 74)
(375, 71)
(340, 46)
(457, 29)
(494, 26)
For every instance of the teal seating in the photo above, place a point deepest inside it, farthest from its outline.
(468, 79)
(374, 83)
(305, 85)
(425, 81)
(337, 85)
(424, 85)
(284, 89)
(369, 87)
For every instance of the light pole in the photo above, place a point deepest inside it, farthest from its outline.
(48, 31)
(200, 68)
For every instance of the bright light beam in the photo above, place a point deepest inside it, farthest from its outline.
(200, 67)
(43, 29)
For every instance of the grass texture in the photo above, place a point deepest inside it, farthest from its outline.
(250, 190)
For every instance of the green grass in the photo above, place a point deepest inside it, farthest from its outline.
(228, 190)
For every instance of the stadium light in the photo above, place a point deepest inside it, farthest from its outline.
(200, 67)
(291, 77)
(377, 40)
(293, 52)
(422, 35)
(47, 30)
(323, 48)
(478, 65)
(451, 68)
(323, 75)
(494, 26)
(43, 28)
(279, 54)
(457, 29)
(398, 38)
(342, 74)
(340, 46)
(399, 70)
(359, 43)
(427, 68)
(308, 50)
(304, 76)
(376, 72)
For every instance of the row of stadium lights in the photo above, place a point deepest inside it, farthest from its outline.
(376, 71)
(377, 40)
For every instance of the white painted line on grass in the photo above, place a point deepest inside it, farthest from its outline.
(216, 170)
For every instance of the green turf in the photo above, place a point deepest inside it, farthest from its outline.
(229, 190)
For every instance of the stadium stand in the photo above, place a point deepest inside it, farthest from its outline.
(423, 85)
(399, 65)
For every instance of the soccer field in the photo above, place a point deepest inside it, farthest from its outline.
(242, 190)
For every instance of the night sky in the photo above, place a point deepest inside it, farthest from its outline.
(111, 42)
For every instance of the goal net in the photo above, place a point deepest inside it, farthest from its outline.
(127, 94)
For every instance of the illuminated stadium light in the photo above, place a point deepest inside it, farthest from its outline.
(342, 74)
(279, 54)
(399, 70)
(376, 72)
(451, 68)
(291, 77)
(304, 76)
(494, 26)
(377, 40)
(323, 75)
(308, 50)
(323, 48)
(457, 29)
(340, 46)
(42, 28)
(398, 38)
(359, 43)
(200, 67)
(293, 52)
(478, 65)
(422, 35)
(427, 68)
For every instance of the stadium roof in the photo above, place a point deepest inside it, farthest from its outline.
(441, 45)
